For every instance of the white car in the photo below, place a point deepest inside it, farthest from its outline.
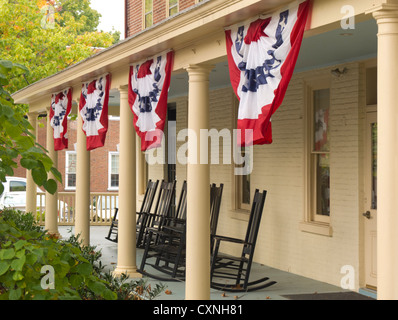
(14, 195)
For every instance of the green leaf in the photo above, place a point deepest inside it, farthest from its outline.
(19, 244)
(84, 269)
(6, 254)
(5, 65)
(15, 294)
(39, 175)
(29, 163)
(97, 287)
(51, 186)
(56, 174)
(76, 280)
(4, 265)
(17, 276)
(18, 264)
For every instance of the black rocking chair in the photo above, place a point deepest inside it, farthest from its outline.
(238, 268)
(169, 248)
(166, 242)
(155, 220)
(113, 228)
(145, 210)
(215, 204)
(145, 207)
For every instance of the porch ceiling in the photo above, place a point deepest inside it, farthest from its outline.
(327, 49)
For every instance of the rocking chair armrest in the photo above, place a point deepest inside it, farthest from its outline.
(229, 239)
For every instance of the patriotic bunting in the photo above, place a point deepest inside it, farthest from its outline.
(261, 58)
(93, 108)
(149, 83)
(61, 106)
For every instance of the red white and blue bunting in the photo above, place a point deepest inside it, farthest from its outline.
(93, 108)
(149, 83)
(61, 106)
(262, 55)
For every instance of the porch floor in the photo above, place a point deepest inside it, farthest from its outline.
(287, 283)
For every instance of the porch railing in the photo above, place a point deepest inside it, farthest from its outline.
(102, 208)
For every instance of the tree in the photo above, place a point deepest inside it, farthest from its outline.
(47, 37)
(16, 141)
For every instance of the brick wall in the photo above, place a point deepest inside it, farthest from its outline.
(135, 11)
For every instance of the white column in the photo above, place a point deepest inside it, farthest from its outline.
(51, 215)
(126, 255)
(387, 153)
(82, 214)
(198, 192)
(31, 193)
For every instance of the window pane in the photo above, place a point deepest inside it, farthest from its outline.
(71, 180)
(374, 165)
(114, 180)
(148, 20)
(323, 185)
(321, 119)
(173, 11)
(71, 165)
(148, 6)
(115, 164)
(16, 186)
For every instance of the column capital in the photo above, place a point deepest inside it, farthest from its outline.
(123, 88)
(199, 69)
(384, 11)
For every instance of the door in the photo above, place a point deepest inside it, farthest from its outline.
(370, 214)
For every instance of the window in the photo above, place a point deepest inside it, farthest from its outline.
(70, 169)
(148, 13)
(317, 212)
(173, 7)
(17, 186)
(113, 172)
(320, 156)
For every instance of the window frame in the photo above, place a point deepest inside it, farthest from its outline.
(67, 173)
(313, 222)
(169, 7)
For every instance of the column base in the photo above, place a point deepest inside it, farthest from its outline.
(130, 271)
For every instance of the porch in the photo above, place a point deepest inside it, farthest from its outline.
(288, 284)
(316, 250)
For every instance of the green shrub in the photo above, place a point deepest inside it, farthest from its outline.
(27, 253)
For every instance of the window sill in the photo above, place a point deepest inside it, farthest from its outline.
(323, 229)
